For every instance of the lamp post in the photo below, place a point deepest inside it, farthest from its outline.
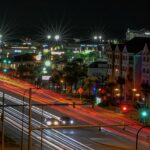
(54, 38)
(98, 40)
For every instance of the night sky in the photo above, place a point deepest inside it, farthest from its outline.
(109, 17)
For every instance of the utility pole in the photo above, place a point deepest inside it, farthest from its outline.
(22, 123)
(30, 120)
(42, 130)
(2, 120)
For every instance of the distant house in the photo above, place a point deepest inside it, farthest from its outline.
(98, 68)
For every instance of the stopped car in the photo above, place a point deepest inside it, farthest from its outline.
(65, 120)
(52, 122)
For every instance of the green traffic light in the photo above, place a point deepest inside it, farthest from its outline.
(4, 61)
(5, 70)
(9, 61)
(144, 114)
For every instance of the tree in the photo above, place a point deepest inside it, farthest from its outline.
(73, 72)
(146, 90)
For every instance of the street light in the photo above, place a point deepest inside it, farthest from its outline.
(97, 37)
(49, 37)
(100, 37)
(57, 37)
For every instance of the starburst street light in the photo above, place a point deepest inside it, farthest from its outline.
(57, 37)
(49, 37)
(97, 37)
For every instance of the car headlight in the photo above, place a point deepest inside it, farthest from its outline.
(56, 123)
(71, 122)
(64, 122)
(49, 123)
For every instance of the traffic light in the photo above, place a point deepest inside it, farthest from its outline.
(9, 62)
(124, 108)
(144, 113)
(5, 70)
(6, 61)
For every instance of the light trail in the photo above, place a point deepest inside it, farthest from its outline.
(85, 114)
(63, 138)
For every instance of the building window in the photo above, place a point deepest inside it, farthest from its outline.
(147, 82)
(147, 70)
(143, 70)
(147, 59)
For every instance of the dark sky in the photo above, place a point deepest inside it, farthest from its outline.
(111, 17)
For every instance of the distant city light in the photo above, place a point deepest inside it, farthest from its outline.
(147, 33)
(47, 63)
(38, 57)
(44, 69)
(45, 50)
(100, 37)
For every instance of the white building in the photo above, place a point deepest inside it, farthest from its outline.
(130, 34)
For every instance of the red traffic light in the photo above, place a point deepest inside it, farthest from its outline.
(124, 108)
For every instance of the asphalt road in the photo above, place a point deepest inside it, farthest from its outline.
(109, 138)
(90, 138)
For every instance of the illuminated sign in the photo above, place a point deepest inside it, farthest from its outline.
(17, 51)
(57, 53)
(46, 78)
